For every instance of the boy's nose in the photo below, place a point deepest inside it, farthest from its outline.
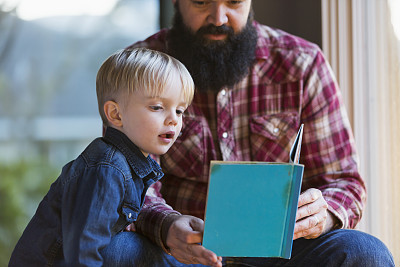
(172, 119)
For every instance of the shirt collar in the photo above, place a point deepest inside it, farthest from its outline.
(141, 165)
(263, 45)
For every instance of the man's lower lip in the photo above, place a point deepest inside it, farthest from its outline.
(215, 36)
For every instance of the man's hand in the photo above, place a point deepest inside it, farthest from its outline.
(312, 218)
(184, 238)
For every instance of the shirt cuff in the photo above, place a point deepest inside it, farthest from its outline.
(339, 212)
(166, 224)
(150, 224)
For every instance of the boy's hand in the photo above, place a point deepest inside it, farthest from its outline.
(184, 238)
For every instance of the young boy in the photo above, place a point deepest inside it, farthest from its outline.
(142, 95)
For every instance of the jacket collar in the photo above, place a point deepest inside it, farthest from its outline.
(141, 165)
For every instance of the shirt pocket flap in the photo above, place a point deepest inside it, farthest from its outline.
(275, 125)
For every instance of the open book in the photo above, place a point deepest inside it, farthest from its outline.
(251, 206)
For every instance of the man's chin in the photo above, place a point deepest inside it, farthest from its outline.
(213, 43)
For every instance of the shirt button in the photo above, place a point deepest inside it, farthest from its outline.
(223, 92)
(224, 135)
(130, 215)
(276, 130)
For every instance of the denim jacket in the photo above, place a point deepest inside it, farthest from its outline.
(96, 196)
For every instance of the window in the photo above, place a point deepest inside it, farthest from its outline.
(50, 52)
(361, 40)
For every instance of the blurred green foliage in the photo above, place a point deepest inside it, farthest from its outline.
(22, 186)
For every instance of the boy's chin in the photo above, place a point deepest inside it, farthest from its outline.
(160, 151)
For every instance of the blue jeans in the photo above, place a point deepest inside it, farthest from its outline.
(337, 248)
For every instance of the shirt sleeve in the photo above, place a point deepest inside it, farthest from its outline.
(90, 210)
(154, 212)
(328, 150)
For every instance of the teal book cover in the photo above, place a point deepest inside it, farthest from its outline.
(251, 207)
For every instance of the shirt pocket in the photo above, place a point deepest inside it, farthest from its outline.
(186, 158)
(271, 136)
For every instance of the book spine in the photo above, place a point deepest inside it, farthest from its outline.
(297, 177)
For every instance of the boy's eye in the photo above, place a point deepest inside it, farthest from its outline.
(179, 112)
(155, 108)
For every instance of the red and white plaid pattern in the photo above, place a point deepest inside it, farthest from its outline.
(257, 120)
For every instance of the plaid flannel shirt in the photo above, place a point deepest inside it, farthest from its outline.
(257, 120)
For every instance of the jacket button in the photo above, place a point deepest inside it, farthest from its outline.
(130, 215)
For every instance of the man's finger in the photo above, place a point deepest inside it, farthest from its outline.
(310, 209)
(317, 220)
(188, 234)
(305, 227)
(197, 224)
(194, 254)
(309, 196)
(207, 257)
(310, 227)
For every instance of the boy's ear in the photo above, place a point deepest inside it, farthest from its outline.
(113, 113)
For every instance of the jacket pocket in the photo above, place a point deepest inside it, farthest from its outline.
(271, 136)
(128, 216)
(133, 199)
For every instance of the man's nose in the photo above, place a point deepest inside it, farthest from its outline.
(217, 14)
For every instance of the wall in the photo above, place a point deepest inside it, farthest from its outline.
(302, 18)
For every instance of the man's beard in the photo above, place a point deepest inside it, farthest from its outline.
(213, 64)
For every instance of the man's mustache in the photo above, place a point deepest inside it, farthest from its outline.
(212, 29)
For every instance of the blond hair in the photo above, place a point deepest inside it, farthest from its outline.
(143, 69)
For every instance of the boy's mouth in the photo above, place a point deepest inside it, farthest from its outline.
(168, 135)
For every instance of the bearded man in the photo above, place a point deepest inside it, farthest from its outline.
(255, 86)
